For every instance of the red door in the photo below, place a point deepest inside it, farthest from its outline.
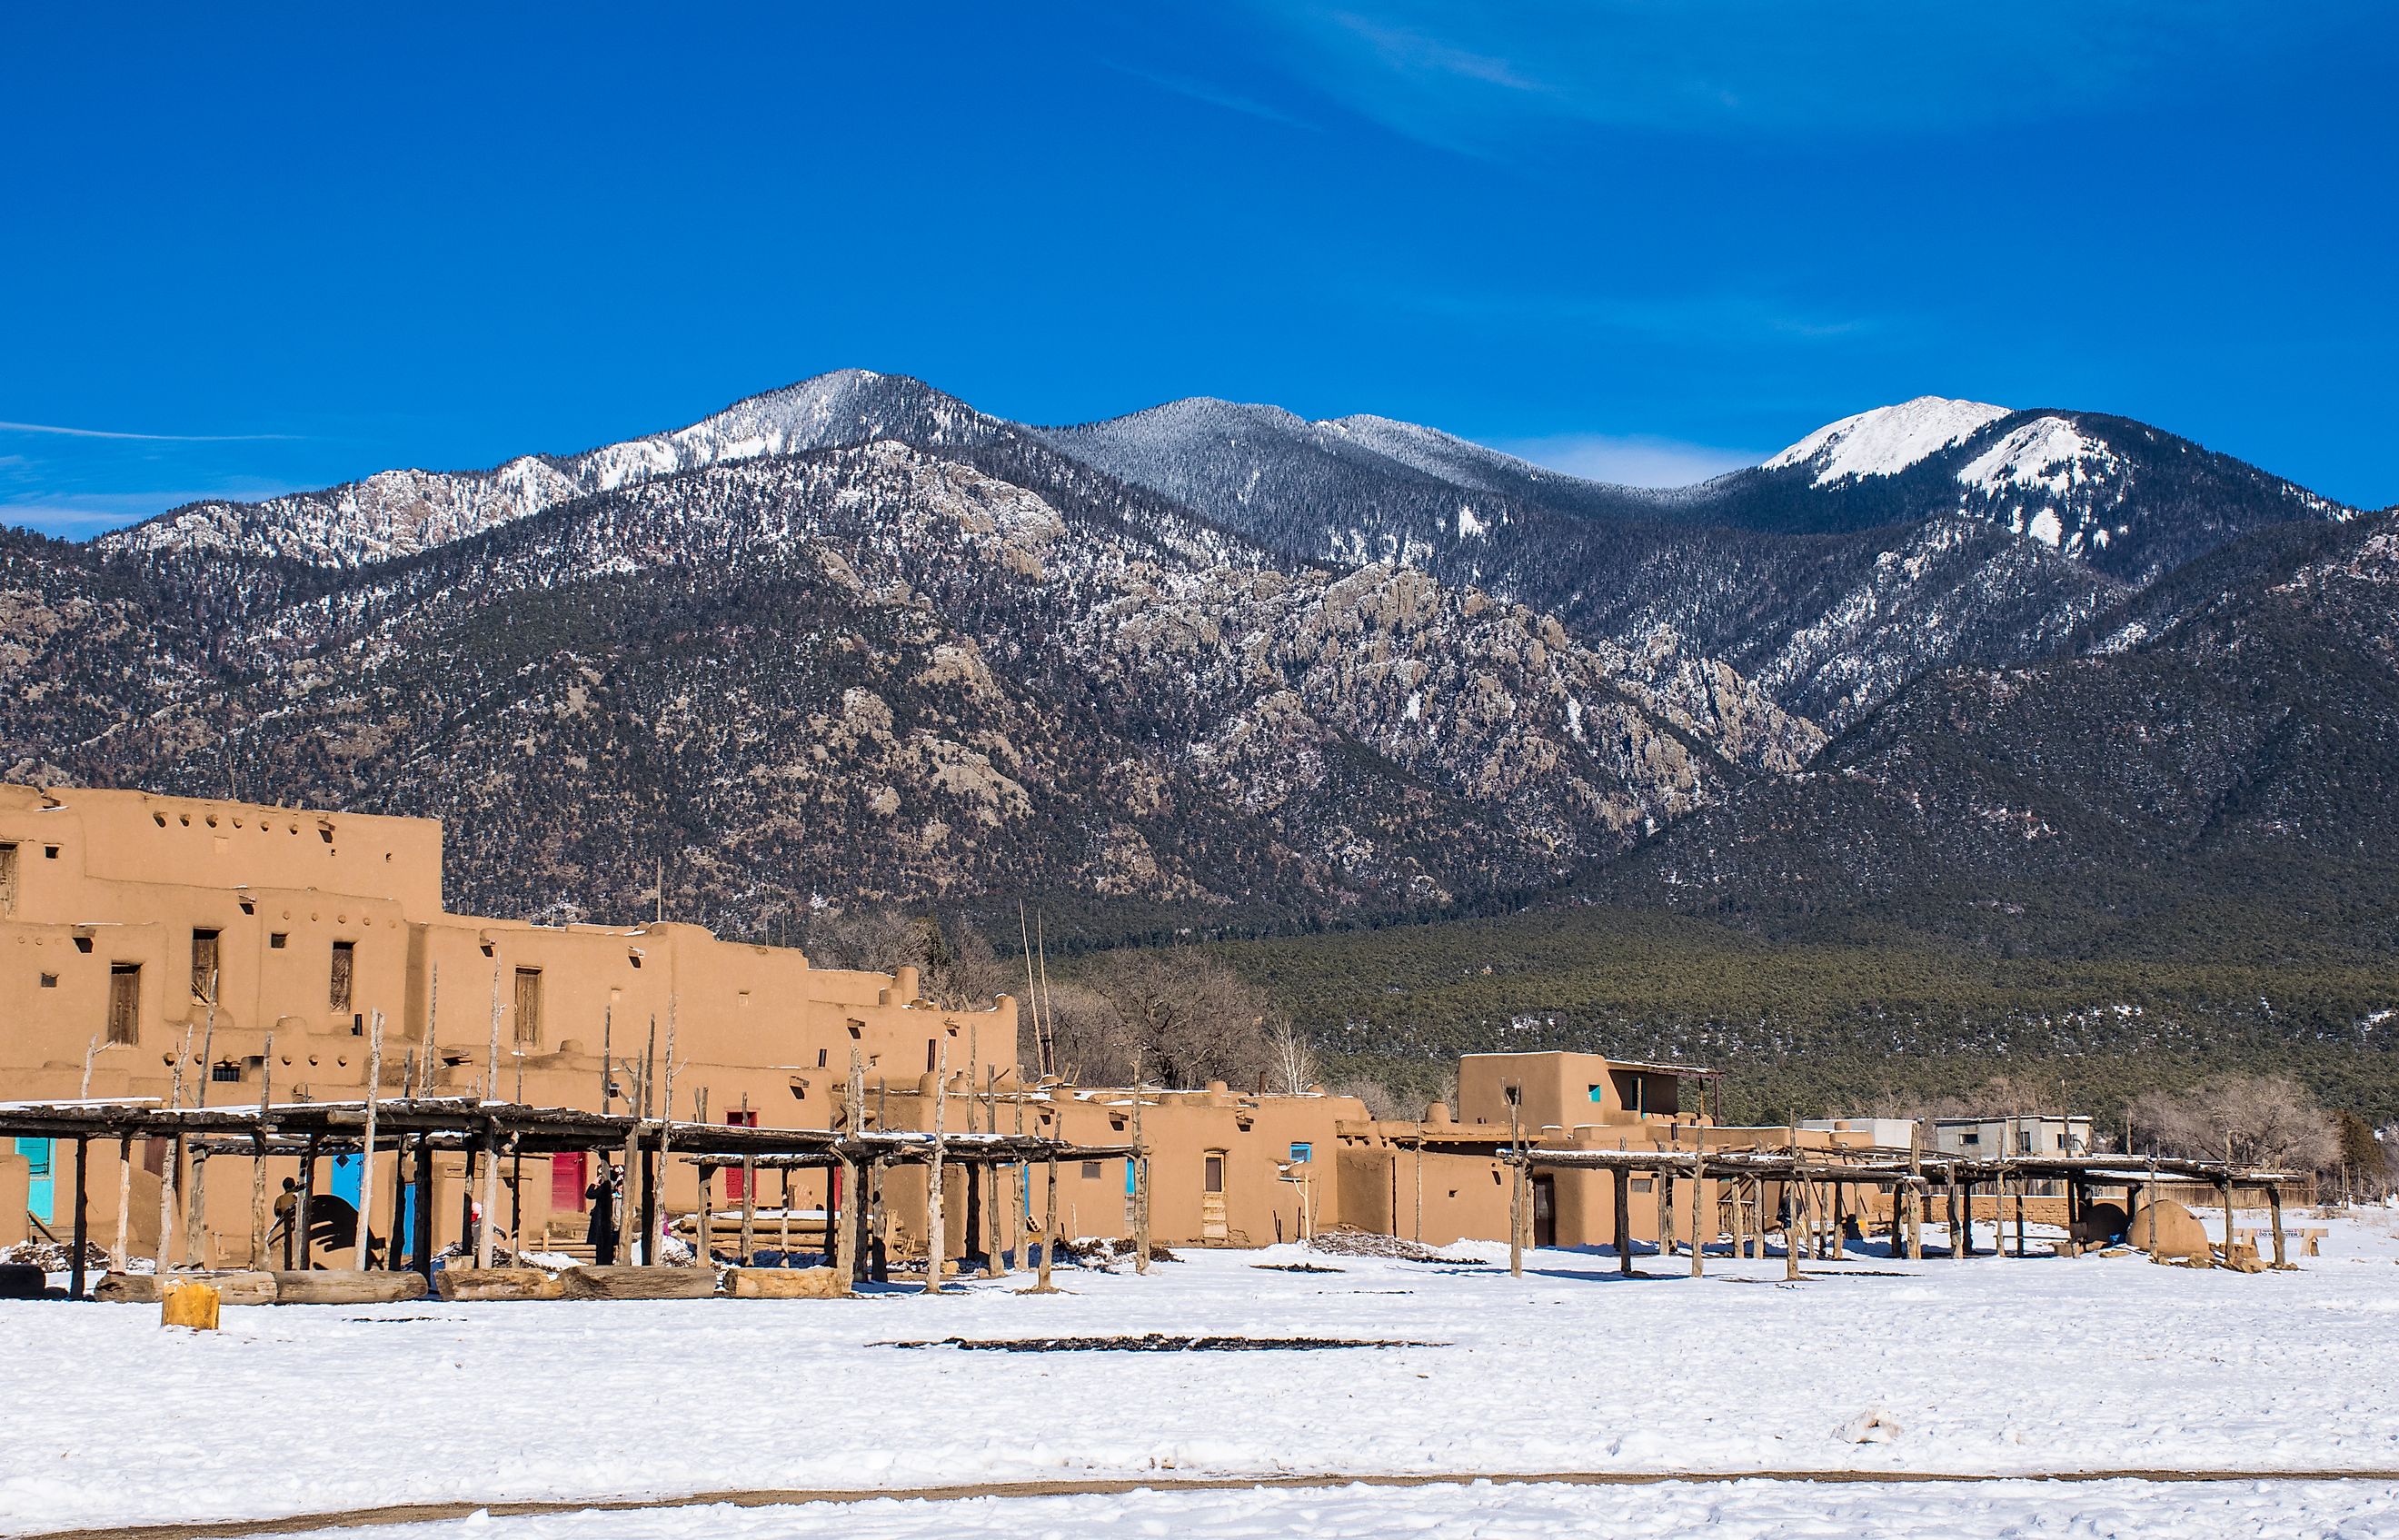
(732, 1189)
(566, 1183)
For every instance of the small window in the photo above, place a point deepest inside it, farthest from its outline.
(83, 944)
(933, 1053)
(49, 980)
(1598, 1093)
(49, 853)
(1302, 1152)
(8, 879)
(325, 833)
(1971, 1138)
(1091, 1170)
(1515, 1095)
(1644, 1184)
(632, 957)
(824, 1058)
(345, 963)
(857, 1030)
(278, 939)
(227, 1073)
(1213, 1174)
(124, 1002)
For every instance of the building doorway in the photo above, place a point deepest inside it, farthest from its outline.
(1212, 1224)
(41, 1196)
(1545, 1210)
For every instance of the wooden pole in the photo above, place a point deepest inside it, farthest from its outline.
(1048, 1227)
(628, 1211)
(1140, 1171)
(172, 1164)
(491, 1052)
(116, 1255)
(258, 1220)
(1623, 1219)
(83, 1218)
(748, 1209)
(1698, 1231)
(2224, 1189)
(366, 1171)
(196, 1234)
(1515, 1189)
(1739, 1217)
(783, 1222)
(432, 1036)
(301, 1210)
(421, 1247)
(937, 1239)
(2274, 1206)
(703, 1229)
(844, 1194)
(491, 1192)
(1914, 1192)
(666, 1128)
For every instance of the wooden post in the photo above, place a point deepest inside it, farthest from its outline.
(83, 1218)
(1516, 1186)
(491, 1192)
(1793, 1219)
(366, 1152)
(116, 1255)
(1698, 1230)
(937, 1239)
(2274, 1206)
(1914, 1192)
(195, 1232)
(845, 1237)
(749, 1207)
(2224, 1188)
(302, 1217)
(704, 1224)
(783, 1222)
(421, 1249)
(258, 1225)
(1140, 1173)
(173, 1165)
(653, 1203)
(1623, 1219)
(1049, 1228)
(492, 1053)
(1740, 1217)
(628, 1211)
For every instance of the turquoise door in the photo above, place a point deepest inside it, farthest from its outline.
(44, 1191)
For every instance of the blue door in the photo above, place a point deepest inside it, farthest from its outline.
(44, 1191)
(344, 1183)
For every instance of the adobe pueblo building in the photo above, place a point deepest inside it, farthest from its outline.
(205, 953)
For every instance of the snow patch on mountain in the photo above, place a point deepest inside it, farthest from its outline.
(1887, 440)
(2048, 453)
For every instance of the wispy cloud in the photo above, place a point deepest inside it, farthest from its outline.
(1200, 91)
(1467, 76)
(80, 514)
(1629, 459)
(144, 437)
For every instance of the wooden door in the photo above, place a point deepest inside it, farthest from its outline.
(124, 1002)
(528, 1007)
(1213, 1226)
(1545, 1210)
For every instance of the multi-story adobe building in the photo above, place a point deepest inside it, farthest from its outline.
(200, 950)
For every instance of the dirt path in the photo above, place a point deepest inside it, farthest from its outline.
(425, 1513)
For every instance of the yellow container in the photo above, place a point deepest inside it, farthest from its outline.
(192, 1305)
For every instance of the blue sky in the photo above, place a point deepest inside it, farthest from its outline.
(267, 248)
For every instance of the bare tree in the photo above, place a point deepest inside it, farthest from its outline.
(1190, 1018)
(956, 962)
(1291, 1062)
(2251, 1119)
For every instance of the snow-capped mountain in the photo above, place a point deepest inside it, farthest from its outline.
(400, 513)
(1209, 656)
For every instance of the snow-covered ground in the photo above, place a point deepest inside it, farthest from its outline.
(1986, 1366)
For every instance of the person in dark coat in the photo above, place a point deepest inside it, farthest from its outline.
(601, 1194)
